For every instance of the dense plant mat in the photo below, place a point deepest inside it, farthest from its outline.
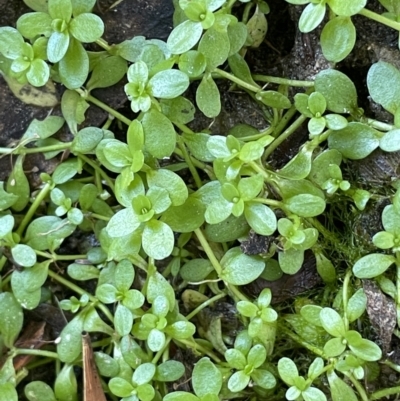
(188, 219)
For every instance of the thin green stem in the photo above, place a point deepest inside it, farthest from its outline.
(237, 80)
(210, 301)
(392, 365)
(190, 165)
(269, 202)
(98, 216)
(207, 249)
(42, 149)
(345, 300)
(378, 124)
(385, 393)
(81, 291)
(55, 257)
(283, 81)
(380, 18)
(299, 340)
(3, 261)
(281, 138)
(258, 169)
(97, 168)
(36, 352)
(358, 386)
(105, 107)
(102, 43)
(32, 210)
(199, 347)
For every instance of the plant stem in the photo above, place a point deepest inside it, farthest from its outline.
(36, 203)
(345, 299)
(385, 393)
(207, 249)
(98, 169)
(299, 340)
(237, 80)
(358, 386)
(195, 311)
(104, 106)
(380, 18)
(190, 165)
(80, 291)
(199, 347)
(282, 81)
(36, 352)
(379, 124)
(102, 43)
(289, 131)
(42, 149)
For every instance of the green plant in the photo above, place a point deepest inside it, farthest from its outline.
(169, 208)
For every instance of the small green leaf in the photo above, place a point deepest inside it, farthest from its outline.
(192, 63)
(339, 389)
(332, 322)
(179, 110)
(355, 141)
(311, 17)
(8, 392)
(39, 391)
(390, 142)
(260, 218)
(57, 46)
(6, 201)
(180, 396)
(74, 66)
(196, 270)
(208, 98)
(338, 90)
(18, 185)
(158, 239)
(263, 378)
(122, 223)
(184, 36)
(11, 318)
(35, 24)
(235, 358)
(168, 84)
(86, 27)
(356, 305)
(273, 99)
(240, 269)
(305, 205)
(169, 371)
(70, 346)
(86, 140)
(372, 265)
(159, 133)
(123, 320)
(214, 45)
(291, 260)
(238, 381)
(346, 8)
(106, 73)
(338, 38)
(287, 371)
(24, 255)
(334, 347)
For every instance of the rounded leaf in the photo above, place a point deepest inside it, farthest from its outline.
(205, 372)
(240, 269)
(372, 265)
(168, 84)
(184, 36)
(157, 239)
(86, 27)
